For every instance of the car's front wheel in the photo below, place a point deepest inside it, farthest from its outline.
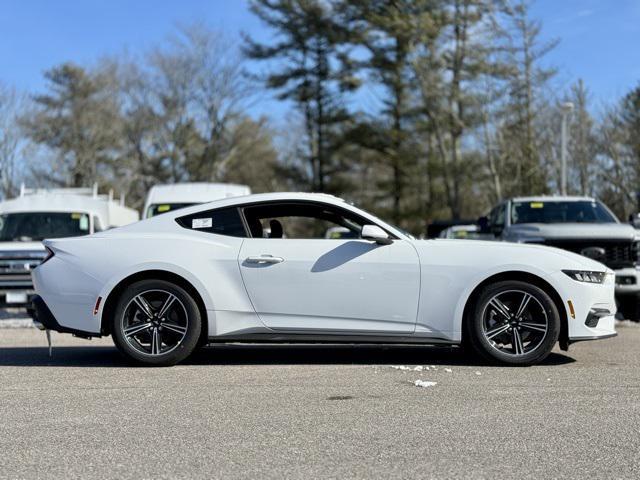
(513, 323)
(156, 323)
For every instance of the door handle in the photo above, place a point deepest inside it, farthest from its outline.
(264, 259)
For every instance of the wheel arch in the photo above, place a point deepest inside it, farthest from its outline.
(523, 277)
(111, 302)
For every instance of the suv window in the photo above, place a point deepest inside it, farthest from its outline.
(496, 217)
(581, 211)
(221, 221)
(302, 221)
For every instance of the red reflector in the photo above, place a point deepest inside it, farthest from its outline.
(97, 307)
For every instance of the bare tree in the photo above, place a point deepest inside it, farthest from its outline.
(200, 93)
(11, 140)
(583, 144)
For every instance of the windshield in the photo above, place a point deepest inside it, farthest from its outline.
(36, 226)
(560, 212)
(158, 208)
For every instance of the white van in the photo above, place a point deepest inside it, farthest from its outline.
(164, 198)
(38, 214)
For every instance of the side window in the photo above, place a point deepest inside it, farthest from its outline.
(222, 221)
(496, 217)
(97, 226)
(302, 221)
(500, 216)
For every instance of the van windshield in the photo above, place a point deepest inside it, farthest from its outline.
(36, 226)
(158, 208)
(560, 212)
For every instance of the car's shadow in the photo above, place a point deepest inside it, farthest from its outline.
(234, 354)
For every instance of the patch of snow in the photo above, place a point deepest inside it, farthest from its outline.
(478, 373)
(448, 370)
(627, 323)
(15, 318)
(424, 383)
(17, 323)
(400, 367)
(419, 368)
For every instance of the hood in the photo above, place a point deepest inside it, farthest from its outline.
(567, 231)
(507, 253)
(21, 246)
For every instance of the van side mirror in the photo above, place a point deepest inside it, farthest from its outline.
(483, 225)
(375, 234)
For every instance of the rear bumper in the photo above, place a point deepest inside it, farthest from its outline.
(45, 320)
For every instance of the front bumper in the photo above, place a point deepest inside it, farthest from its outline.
(590, 308)
(627, 281)
(45, 320)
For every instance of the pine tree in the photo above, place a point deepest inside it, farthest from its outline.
(526, 83)
(311, 69)
(389, 32)
(79, 121)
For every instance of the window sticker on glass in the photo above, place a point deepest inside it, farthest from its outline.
(536, 205)
(84, 223)
(76, 216)
(164, 208)
(202, 223)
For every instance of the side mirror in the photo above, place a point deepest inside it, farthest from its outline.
(375, 234)
(483, 225)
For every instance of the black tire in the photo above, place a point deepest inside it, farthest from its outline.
(185, 315)
(486, 319)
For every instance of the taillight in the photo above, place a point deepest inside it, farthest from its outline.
(48, 256)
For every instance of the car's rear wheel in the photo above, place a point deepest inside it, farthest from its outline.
(513, 323)
(156, 323)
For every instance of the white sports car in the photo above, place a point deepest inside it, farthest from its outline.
(209, 273)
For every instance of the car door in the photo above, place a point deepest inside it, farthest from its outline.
(332, 285)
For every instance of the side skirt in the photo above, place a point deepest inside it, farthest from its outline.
(306, 338)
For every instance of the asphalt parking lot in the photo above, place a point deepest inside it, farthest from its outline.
(239, 411)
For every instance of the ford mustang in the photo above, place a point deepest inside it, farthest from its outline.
(260, 268)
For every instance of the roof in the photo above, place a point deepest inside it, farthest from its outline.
(255, 198)
(159, 222)
(554, 198)
(194, 192)
(110, 212)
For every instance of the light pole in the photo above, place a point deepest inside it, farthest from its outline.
(566, 108)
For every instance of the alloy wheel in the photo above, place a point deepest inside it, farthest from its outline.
(155, 322)
(514, 322)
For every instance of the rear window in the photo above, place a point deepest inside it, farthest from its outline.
(222, 221)
(157, 209)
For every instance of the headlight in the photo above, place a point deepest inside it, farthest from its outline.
(586, 276)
